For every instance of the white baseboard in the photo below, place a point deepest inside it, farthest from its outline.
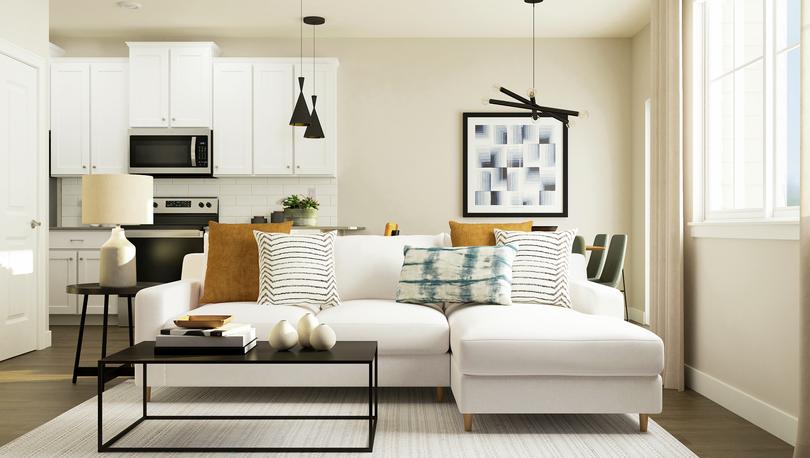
(636, 315)
(777, 422)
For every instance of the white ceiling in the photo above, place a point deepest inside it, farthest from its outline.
(175, 19)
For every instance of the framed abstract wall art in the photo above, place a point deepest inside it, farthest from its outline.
(514, 165)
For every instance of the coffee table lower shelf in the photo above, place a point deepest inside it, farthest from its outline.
(371, 418)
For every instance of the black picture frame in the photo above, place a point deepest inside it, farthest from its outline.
(465, 172)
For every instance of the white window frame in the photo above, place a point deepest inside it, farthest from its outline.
(771, 221)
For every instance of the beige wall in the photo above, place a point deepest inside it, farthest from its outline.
(741, 310)
(25, 23)
(641, 91)
(400, 105)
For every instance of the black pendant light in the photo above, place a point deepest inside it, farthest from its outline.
(314, 129)
(300, 116)
(531, 103)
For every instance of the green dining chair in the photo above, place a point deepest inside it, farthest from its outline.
(579, 245)
(597, 259)
(613, 270)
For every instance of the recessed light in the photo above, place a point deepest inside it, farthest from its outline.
(129, 5)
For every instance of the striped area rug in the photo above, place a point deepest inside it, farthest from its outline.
(411, 424)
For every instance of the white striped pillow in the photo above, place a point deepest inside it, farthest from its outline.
(540, 269)
(297, 269)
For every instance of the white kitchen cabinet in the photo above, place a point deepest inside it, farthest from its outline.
(149, 86)
(170, 84)
(252, 135)
(272, 108)
(109, 117)
(88, 272)
(233, 104)
(89, 117)
(70, 118)
(190, 86)
(61, 272)
(318, 156)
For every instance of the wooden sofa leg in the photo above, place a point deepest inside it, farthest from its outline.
(642, 422)
(468, 417)
(148, 393)
(439, 394)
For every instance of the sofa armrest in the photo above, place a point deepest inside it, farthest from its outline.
(595, 299)
(158, 304)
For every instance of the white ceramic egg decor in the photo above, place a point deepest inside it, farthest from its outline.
(322, 337)
(283, 336)
(306, 324)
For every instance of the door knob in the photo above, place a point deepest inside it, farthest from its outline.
(35, 224)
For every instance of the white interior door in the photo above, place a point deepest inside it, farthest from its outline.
(19, 191)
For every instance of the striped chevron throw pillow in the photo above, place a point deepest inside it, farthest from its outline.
(439, 276)
(540, 270)
(297, 269)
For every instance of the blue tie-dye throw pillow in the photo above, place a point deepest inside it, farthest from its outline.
(467, 275)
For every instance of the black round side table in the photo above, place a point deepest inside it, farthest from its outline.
(94, 289)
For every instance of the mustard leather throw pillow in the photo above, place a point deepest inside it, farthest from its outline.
(232, 273)
(481, 234)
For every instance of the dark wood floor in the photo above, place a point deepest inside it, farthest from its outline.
(35, 388)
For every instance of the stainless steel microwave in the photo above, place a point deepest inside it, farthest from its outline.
(171, 152)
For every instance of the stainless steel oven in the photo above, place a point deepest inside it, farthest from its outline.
(178, 229)
(171, 152)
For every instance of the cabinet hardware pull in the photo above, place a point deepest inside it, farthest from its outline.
(70, 259)
(81, 259)
(77, 240)
(94, 166)
(84, 166)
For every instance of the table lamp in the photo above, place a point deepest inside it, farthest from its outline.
(117, 199)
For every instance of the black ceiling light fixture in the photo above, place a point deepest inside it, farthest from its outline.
(314, 129)
(300, 116)
(531, 103)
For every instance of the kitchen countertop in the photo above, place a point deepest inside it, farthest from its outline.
(107, 228)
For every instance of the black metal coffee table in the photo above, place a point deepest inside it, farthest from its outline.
(344, 352)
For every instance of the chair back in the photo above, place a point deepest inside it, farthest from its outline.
(614, 262)
(597, 258)
(578, 246)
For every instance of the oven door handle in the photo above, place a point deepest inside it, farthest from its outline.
(164, 234)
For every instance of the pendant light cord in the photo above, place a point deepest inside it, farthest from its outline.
(301, 37)
(534, 83)
(313, 62)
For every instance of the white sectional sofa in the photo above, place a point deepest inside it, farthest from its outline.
(520, 358)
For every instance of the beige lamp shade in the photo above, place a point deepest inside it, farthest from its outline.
(117, 199)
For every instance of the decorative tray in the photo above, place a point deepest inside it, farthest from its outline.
(202, 321)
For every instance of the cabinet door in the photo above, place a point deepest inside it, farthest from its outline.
(317, 156)
(233, 145)
(149, 86)
(190, 88)
(109, 117)
(273, 90)
(61, 272)
(89, 262)
(70, 119)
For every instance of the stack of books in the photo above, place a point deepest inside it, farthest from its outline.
(228, 339)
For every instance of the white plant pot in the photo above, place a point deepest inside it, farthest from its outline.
(306, 324)
(322, 337)
(283, 336)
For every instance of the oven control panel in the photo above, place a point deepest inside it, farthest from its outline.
(206, 205)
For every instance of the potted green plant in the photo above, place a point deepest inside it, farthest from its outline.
(301, 210)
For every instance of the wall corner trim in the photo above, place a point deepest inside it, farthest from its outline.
(777, 422)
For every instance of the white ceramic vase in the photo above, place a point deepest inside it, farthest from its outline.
(322, 337)
(306, 324)
(283, 336)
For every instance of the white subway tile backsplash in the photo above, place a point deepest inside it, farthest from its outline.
(240, 198)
